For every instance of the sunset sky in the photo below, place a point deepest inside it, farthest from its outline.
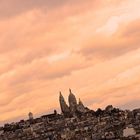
(47, 46)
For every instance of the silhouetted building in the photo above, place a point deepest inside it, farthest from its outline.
(73, 107)
(76, 122)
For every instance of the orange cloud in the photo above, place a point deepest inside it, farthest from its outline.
(47, 46)
(125, 39)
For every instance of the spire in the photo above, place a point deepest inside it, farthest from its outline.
(70, 91)
(60, 94)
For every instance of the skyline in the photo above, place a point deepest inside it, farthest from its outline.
(47, 46)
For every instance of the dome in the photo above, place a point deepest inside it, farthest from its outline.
(63, 105)
(72, 102)
(81, 107)
(72, 98)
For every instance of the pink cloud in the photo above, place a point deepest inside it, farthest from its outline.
(42, 52)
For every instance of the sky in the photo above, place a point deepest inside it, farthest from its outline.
(90, 46)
